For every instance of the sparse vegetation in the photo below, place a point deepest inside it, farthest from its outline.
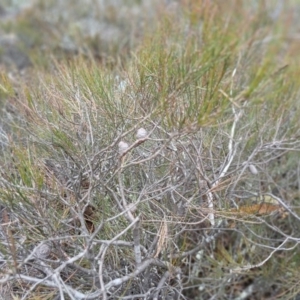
(161, 163)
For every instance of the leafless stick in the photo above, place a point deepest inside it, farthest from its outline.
(160, 284)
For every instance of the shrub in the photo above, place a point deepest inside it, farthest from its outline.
(173, 177)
